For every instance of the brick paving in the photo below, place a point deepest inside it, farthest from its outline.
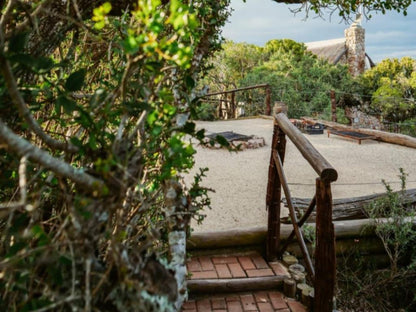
(262, 301)
(232, 267)
(207, 267)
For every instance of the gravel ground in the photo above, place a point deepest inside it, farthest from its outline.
(240, 179)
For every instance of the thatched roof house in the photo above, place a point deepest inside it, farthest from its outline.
(348, 50)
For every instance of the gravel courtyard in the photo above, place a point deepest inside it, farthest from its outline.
(240, 179)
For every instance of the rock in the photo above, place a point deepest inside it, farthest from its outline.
(296, 268)
(289, 260)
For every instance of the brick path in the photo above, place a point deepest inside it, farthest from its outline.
(233, 267)
(238, 267)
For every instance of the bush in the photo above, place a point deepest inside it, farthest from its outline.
(364, 287)
(94, 106)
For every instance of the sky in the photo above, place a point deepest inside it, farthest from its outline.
(258, 21)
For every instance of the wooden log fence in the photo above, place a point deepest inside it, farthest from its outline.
(351, 208)
(232, 107)
(323, 272)
(387, 137)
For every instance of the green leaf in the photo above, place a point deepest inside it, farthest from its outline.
(40, 234)
(15, 249)
(18, 42)
(99, 15)
(152, 117)
(68, 105)
(23, 59)
(38, 65)
(222, 141)
(130, 45)
(77, 142)
(189, 127)
(43, 64)
(190, 82)
(76, 80)
(200, 135)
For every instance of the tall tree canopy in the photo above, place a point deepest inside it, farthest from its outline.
(346, 7)
(297, 78)
(390, 89)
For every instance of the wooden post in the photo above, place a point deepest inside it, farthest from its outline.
(333, 106)
(325, 260)
(274, 193)
(268, 100)
(221, 108)
(233, 108)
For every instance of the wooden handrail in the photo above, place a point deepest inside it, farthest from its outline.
(292, 213)
(232, 109)
(322, 167)
(301, 222)
(323, 274)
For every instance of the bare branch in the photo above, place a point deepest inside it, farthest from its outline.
(24, 111)
(87, 285)
(22, 147)
(10, 205)
(6, 15)
(57, 304)
(23, 180)
(139, 127)
(290, 1)
(23, 25)
(23, 189)
(120, 131)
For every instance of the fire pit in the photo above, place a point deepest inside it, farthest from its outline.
(236, 139)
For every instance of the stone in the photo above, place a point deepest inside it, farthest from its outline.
(355, 44)
(296, 268)
(299, 277)
(289, 260)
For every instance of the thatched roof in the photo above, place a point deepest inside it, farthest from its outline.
(331, 50)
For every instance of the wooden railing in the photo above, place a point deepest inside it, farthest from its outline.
(228, 98)
(322, 274)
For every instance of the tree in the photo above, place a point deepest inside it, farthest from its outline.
(231, 64)
(297, 78)
(95, 103)
(347, 8)
(284, 46)
(390, 89)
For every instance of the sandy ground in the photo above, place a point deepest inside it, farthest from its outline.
(240, 179)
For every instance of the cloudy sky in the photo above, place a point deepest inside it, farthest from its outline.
(258, 21)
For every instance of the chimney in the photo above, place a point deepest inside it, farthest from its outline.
(355, 44)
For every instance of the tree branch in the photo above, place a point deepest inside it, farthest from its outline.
(290, 1)
(22, 147)
(25, 113)
(24, 25)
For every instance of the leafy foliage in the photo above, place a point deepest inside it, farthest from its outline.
(346, 8)
(298, 78)
(365, 287)
(94, 142)
(390, 87)
(398, 233)
(231, 64)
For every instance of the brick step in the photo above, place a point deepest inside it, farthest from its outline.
(261, 301)
(209, 286)
(234, 273)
